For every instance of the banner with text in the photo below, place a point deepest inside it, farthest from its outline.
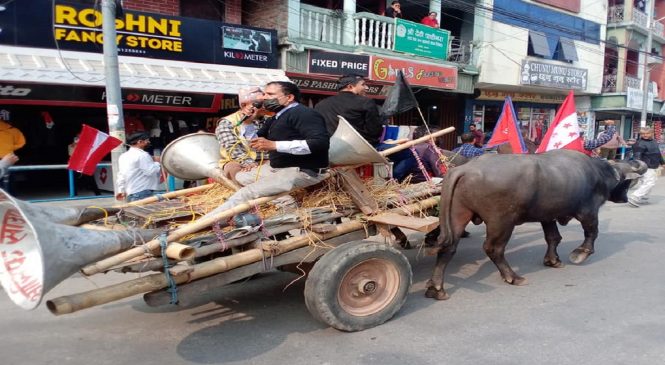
(417, 74)
(94, 96)
(75, 26)
(421, 40)
(330, 63)
(635, 99)
(309, 84)
(549, 75)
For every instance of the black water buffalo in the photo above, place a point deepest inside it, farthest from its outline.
(507, 190)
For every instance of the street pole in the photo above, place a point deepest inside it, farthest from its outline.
(645, 81)
(115, 118)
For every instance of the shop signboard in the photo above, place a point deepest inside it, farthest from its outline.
(417, 74)
(331, 63)
(75, 26)
(93, 96)
(550, 75)
(635, 99)
(521, 97)
(307, 83)
(421, 40)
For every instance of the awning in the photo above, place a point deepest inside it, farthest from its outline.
(538, 44)
(22, 64)
(567, 50)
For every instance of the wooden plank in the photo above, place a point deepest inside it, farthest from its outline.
(353, 185)
(417, 224)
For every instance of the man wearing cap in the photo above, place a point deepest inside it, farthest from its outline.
(138, 172)
(234, 132)
(298, 142)
(352, 104)
(11, 139)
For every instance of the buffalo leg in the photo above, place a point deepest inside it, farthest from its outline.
(497, 238)
(552, 237)
(590, 226)
(446, 252)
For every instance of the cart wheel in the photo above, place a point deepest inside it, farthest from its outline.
(358, 285)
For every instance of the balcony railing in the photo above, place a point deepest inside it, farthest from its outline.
(319, 24)
(610, 83)
(617, 14)
(373, 30)
(369, 30)
(632, 82)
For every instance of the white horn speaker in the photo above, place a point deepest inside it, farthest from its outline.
(36, 255)
(348, 147)
(64, 215)
(192, 157)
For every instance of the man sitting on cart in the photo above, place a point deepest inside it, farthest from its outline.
(297, 142)
(234, 132)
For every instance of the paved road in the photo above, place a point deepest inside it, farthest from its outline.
(608, 311)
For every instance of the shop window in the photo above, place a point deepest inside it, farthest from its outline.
(538, 45)
(565, 50)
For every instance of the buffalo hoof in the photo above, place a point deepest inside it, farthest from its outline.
(516, 280)
(579, 255)
(553, 263)
(437, 294)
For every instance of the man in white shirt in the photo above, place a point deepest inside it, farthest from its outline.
(138, 175)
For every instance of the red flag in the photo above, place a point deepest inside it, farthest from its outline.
(93, 145)
(506, 130)
(564, 132)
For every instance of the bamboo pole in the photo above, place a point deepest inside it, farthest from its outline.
(154, 244)
(422, 139)
(72, 303)
(169, 195)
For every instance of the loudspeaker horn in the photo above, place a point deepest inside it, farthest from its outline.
(192, 157)
(36, 255)
(348, 147)
(64, 215)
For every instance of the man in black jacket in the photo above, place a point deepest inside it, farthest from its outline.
(352, 104)
(297, 141)
(646, 150)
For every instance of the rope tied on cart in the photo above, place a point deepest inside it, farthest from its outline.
(172, 289)
(161, 197)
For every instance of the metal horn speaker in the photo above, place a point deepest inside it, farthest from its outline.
(64, 215)
(192, 157)
(36, 255)
(348, 147)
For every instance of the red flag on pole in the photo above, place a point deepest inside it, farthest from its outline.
(564, 132)
(93, 145)
(506, 129)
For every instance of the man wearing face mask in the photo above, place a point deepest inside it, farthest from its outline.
(297, 141)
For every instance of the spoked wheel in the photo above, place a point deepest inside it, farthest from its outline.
(358, 285)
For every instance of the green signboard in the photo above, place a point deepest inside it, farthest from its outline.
(421, 40)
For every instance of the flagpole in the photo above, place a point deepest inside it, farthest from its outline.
(115, 117)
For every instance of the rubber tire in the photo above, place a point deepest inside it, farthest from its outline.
(323, 282)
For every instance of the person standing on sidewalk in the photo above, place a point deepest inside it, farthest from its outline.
(11, 139)
(139, 173)
(646, 150)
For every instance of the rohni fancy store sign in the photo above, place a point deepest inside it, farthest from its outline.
(77, 26)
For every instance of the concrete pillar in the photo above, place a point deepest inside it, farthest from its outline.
(348, 32)
(435, 5)
(293, 22)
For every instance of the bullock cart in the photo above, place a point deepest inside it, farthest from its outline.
(351, 283)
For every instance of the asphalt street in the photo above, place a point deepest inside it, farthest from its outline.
(609, 310)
